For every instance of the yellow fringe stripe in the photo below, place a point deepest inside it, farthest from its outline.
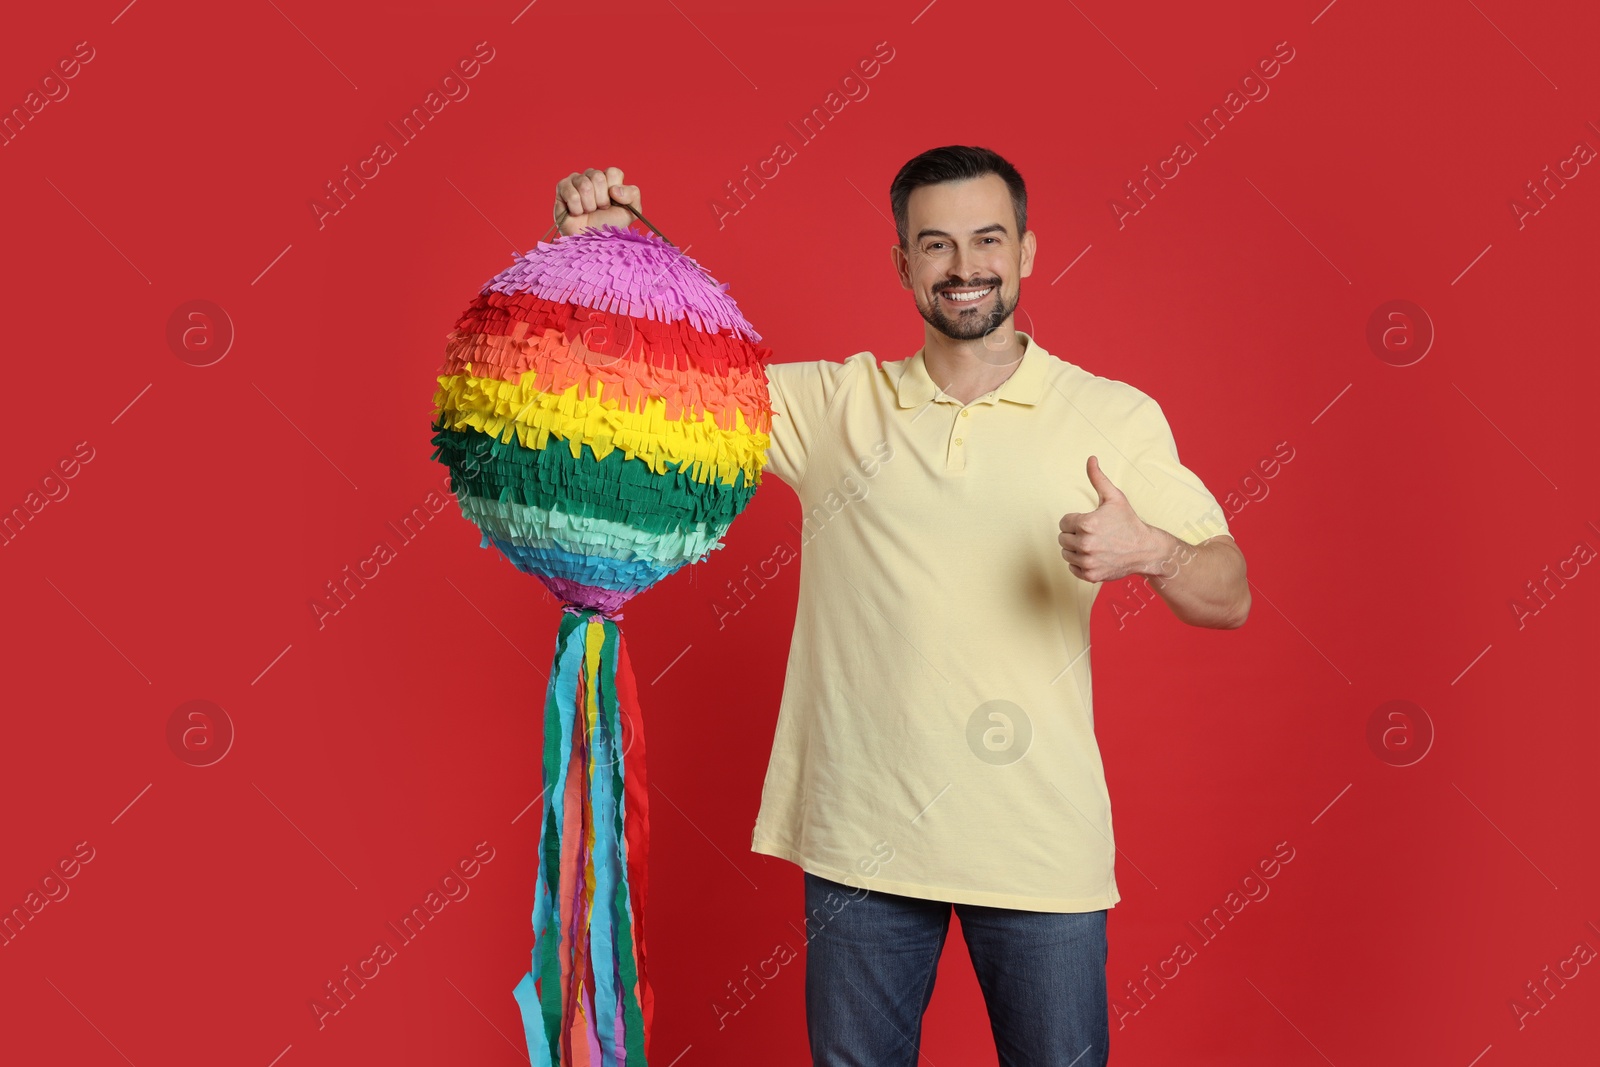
(669, 445)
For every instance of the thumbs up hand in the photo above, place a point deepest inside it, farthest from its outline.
(1111, 541)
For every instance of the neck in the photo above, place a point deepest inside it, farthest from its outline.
(967, 370)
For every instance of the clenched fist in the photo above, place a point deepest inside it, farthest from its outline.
(1111, 541)
(589, 199)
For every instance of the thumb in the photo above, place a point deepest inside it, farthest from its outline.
(1101, 483)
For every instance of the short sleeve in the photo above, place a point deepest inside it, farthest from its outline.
(1163, 492)
(801, 395)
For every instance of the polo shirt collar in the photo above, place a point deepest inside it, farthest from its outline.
(1025, 386)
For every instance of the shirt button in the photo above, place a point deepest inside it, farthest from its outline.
(965, 413)
(958, 440)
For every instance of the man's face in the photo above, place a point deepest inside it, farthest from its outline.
(964, 263)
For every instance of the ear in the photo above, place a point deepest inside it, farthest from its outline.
(1029, 247)
(902, 265)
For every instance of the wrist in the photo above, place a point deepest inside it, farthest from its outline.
(1161, 561)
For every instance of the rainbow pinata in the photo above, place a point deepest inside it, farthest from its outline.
(603, 410)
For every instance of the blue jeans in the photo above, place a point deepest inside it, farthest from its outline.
(870, 964)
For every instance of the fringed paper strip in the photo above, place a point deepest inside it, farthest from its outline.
(523, 525)
(610, 268)
(551, 364)
(660, 433)
(616, 488)
(675, 344)
(603, 411)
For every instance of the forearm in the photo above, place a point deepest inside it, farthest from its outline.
(1203, 585)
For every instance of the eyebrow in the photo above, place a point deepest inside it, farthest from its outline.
(982, 229)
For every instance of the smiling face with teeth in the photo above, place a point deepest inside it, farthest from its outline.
(964, 263)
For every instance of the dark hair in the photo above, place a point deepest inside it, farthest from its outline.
(954, 163)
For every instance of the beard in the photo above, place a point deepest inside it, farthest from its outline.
(970, 324)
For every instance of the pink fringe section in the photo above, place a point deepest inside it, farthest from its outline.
(611, 268)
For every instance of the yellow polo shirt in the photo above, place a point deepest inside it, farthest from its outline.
(936, 735)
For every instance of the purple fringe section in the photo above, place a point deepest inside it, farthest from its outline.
(625, 272)
(576, 595)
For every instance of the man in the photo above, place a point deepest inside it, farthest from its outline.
(935, 747)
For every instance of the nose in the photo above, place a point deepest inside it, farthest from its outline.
(963, 267)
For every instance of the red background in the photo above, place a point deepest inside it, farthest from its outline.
(373, 753)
